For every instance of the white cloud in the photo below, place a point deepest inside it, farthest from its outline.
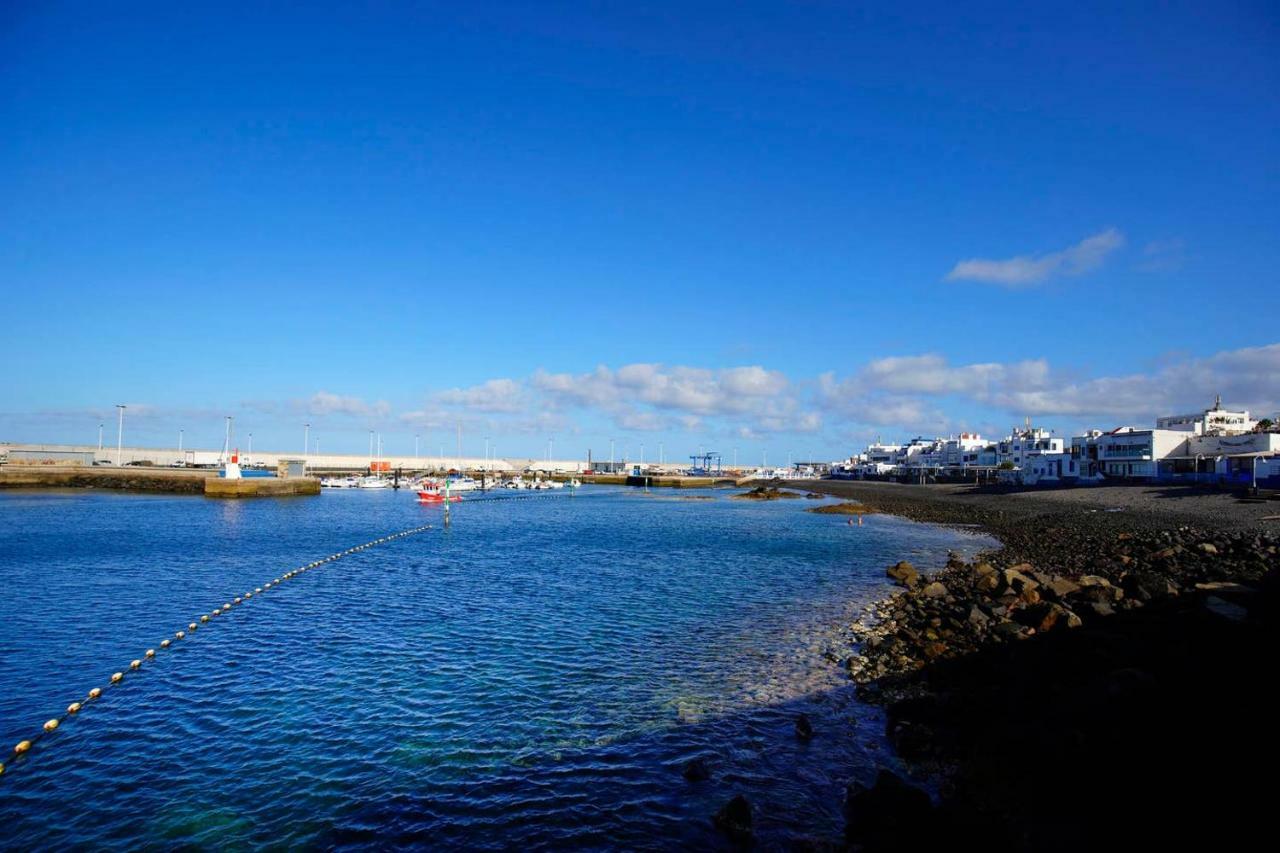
(1027, 270)
(324, 403)
(907, 391)
(496, 395)
(655, 396)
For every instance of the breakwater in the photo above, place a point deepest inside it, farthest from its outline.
(1113, 649)
(178, 481)
(173, 481)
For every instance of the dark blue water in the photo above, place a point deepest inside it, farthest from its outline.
(534, 676)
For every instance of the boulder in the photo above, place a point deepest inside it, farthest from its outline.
(1148, 586)
(734, 819)
(804, 727)
(1208, 548)
(1017, 581)
(935, 590)
(1059, 587)
(904, 574)
(1008, 631)
(887, 815)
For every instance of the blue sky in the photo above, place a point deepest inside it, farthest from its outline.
(788, 227)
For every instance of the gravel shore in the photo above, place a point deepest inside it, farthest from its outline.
(1099, 681)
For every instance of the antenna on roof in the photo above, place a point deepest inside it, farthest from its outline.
(1217, 402)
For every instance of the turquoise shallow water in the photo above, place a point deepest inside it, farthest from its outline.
(534, 676)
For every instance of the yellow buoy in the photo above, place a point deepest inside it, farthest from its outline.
(164, 644)
(1, 768)
(51, 725)
(151, 653)
(226, 607)
(95, 693)
(258, 590)
(216, 611)
(180, 634)
(238, 601)
(73, 708)
(134, 664)
(116, 677)
(204, 618)
(23, 746)
(248, 595)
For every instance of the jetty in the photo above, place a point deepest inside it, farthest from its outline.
(200, 481)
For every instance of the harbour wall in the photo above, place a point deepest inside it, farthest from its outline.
(167, 456)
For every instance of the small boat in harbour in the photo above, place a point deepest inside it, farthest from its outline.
(435, 493)
(340, 483)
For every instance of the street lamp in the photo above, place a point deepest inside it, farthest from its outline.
(120, 433)
(100, 437)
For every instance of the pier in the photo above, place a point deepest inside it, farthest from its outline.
(199, 481)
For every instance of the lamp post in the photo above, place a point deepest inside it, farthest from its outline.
(120, 433)
(180, 432)
(100, 437)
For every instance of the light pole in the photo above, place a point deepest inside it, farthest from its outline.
(120, 434)
(100, 437)
(250, 447)
(180, 432)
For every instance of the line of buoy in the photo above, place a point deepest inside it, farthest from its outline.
(150, 657)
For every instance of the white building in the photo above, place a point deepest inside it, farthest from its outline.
(1023, 444)
(1215, 421)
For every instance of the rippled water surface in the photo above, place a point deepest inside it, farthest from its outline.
(536, 675)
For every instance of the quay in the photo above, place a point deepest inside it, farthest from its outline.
(199, 481)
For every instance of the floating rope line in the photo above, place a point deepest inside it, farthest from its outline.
(149, 658)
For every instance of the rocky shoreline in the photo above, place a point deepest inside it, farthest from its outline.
(1100, 663)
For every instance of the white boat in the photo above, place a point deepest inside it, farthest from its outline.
(340, 482)
(463, 484)
(373, 483)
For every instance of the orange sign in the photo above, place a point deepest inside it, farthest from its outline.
(380, 466)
